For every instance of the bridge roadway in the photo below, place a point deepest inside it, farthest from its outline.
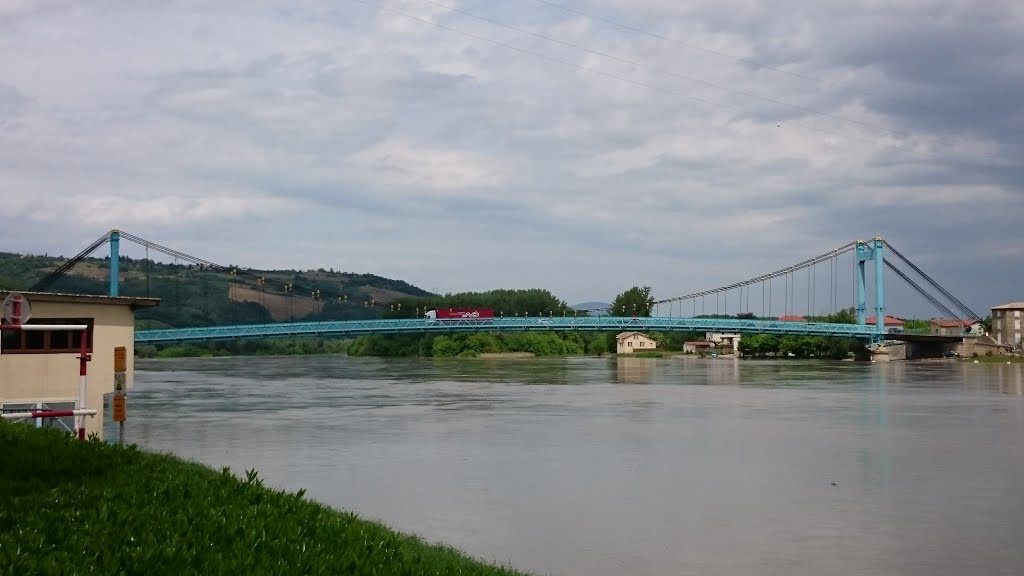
(518, 324)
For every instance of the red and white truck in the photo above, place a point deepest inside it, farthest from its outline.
(460, 314)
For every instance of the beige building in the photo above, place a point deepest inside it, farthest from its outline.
(698, 346)
(952, 327)
(629, 342)
(724, 340)
(1008, 323)
(40, 369)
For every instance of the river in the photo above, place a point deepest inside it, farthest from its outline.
(601, 466)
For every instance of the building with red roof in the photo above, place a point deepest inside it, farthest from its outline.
(888, 322)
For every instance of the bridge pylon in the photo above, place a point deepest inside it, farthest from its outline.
(870, 252)
(114, 237)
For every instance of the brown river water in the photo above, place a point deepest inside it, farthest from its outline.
(601, 466)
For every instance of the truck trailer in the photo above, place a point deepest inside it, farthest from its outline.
(460, 314)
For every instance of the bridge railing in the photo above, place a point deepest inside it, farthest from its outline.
(421, 325)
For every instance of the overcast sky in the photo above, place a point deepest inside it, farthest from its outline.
(708, 142)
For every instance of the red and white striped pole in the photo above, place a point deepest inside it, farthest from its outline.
(83, 360)
(16, 310)
(46, 414)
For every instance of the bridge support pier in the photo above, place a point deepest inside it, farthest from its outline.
(115, 261)
(866, 252)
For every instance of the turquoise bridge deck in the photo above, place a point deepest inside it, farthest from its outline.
(519, 324)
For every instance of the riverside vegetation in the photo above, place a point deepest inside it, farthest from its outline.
(75, 507)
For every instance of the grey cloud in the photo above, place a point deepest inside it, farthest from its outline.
(12, 102)
(585, 165)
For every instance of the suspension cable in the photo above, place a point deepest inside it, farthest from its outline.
(57, 274)
(775, 274)
(963, 307)
(942, 307)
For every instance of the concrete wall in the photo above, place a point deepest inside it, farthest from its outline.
(54, 377)
(979, 346)
(918, 350)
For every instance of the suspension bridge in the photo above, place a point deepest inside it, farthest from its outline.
(766, 304)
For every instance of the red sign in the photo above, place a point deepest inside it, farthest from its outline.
(17, 310)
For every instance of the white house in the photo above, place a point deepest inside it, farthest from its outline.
(629, 342)
(724, 340)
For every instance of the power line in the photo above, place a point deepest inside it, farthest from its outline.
(662, 70)
(609, 75)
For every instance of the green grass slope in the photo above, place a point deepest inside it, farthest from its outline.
(73, 507)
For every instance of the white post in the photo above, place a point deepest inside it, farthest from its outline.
(82, 363)
(79, 420)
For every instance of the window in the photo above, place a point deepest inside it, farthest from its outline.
(999, 324)
(66, 423)
(1016, 313)
(46, 341)
(1016, 324)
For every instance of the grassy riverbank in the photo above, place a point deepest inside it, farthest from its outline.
(93, 508)
(996, 359)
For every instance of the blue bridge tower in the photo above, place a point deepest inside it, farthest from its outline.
(868, 252)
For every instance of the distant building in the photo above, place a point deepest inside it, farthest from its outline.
(724, 339)
(697, 347)
(629, 342)
(39, 369)
(954, 327)
(1006, 323)
(891, 323)
(792, 318)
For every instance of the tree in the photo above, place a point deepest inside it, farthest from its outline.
(636, 301)
(844, 316)
(9, 283)
(915, 324)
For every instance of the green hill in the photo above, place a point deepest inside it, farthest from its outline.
(193, 296)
